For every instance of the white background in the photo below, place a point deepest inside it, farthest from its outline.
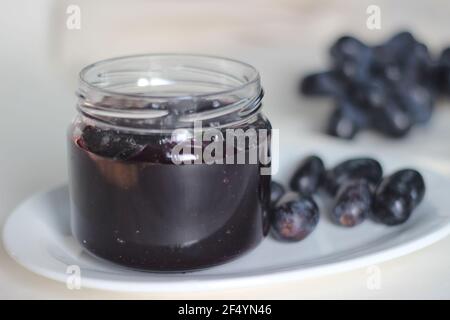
(40, 58)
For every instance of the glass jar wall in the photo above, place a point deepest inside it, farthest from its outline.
(155, 182)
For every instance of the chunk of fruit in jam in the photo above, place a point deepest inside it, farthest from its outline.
(110, 143)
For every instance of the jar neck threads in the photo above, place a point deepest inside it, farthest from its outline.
(170, 91)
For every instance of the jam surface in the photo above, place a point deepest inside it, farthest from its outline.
(133, 206)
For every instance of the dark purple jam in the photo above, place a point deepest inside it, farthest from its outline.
(133, 206)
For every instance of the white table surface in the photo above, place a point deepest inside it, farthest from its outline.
(39, 60)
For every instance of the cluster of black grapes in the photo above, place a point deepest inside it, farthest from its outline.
(359, 191)
(389, 87)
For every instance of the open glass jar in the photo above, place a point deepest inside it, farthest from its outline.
(144, 191)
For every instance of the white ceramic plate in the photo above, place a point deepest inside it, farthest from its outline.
(37, 235)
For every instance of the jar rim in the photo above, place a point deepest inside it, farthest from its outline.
(253, 80)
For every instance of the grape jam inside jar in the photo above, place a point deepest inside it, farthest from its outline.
(137, 202)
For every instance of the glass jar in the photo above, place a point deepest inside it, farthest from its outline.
(137, 202)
